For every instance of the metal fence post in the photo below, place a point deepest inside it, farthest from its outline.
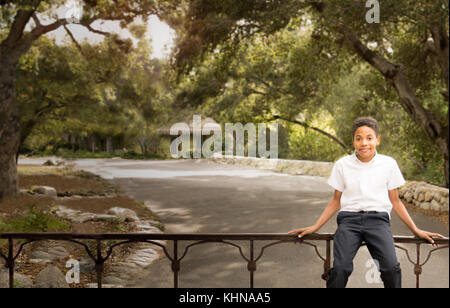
(10, 262)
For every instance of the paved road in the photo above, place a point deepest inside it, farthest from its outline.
(204, 197)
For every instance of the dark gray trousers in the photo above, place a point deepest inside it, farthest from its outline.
(373, 229)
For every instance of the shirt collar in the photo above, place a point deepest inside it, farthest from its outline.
(374, 158)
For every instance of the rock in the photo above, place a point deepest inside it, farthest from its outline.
(409, 196)
(44, 190)
(20, 281)
(437, 196)
(105, 217)
(124, 214)
(82, 217)
(421, 197)
(435, 206)
(53, 253)
(417, 191)
(428, 196)
(58, 253)
(143, 258)
(51, 277)
(40, 261)
(425, 205)
(444, 207)
(294, 167)
(42, 255)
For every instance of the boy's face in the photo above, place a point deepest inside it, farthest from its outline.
(365, 142)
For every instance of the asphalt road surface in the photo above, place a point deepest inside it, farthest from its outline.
(205, 197)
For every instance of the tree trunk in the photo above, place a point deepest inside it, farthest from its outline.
(92, 143)
(25, 131)
(441, 50)
(9, 129)
(394, 74)
(109, 145)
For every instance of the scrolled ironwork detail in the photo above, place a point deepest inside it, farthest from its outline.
(227, 239)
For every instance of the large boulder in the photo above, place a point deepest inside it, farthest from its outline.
(124, 214)
(51, 277)
(44, 190)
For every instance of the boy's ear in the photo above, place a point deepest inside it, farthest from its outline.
(378, 140)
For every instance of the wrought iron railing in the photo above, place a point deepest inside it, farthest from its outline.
(100, 257)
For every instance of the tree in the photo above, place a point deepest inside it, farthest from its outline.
(408, 48)
(270, 78)
(16, 42)
(50, 85)
(93, 100)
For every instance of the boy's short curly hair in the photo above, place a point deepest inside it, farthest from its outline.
(365, 121)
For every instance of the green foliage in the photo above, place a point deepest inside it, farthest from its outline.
(363, 93)
(80, 154)
(35, 221)
(137, 156)
(290, 59)
(306, 144)
(243, 61)
(78, 101)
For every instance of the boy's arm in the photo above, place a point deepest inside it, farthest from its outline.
(330, 210)
(402, 213)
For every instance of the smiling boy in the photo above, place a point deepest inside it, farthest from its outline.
(365, 186)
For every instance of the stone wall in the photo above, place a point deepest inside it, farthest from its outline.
(420, 194)
(425, 196)
(294, 167)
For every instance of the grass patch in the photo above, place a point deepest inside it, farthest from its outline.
(80, 154)
(35, 221)
(133, 155)
(38, 170)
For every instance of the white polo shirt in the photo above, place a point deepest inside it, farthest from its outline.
(365, 186)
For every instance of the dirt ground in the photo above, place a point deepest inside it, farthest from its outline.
(66, 181)
(76, 190)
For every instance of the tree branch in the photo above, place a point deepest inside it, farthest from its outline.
(23, 45)
(88, 26)
(421, 167)
(43, 29)
(18, 26)
(307, 126)
(440, 51)
(268, 85)
(36, 20)
(74, 40)
(394, 74)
